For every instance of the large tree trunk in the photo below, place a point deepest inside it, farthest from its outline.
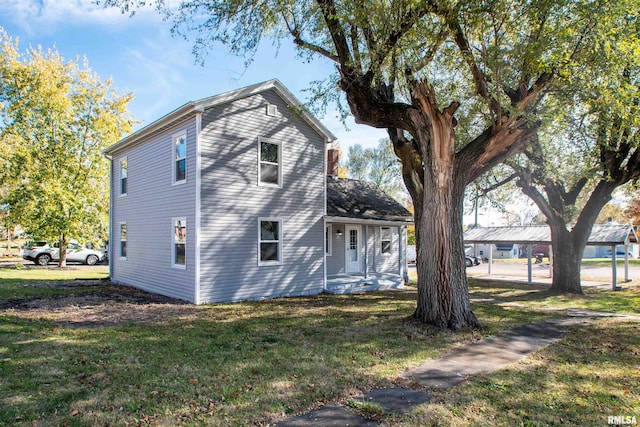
(567, 260)
(443, 297)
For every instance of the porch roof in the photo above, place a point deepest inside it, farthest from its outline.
(362, 201)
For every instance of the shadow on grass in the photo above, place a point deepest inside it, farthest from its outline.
(589, 375)
(219, 364)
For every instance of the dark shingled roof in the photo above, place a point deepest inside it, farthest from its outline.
(350, 198)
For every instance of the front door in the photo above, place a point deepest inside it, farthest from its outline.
(353, 250)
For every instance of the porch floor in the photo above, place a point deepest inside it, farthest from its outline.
(352, 283)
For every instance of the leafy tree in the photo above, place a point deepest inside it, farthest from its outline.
(611, 212)
(454, 83)
(57, 116)
(572, 171)
(632, 212)
(378, 165)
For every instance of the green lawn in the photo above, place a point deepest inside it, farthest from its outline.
(257, 362)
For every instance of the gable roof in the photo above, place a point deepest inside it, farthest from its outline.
(601, 234)
(201, 105)
(361, 200)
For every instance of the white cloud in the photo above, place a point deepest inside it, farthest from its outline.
(37, 16)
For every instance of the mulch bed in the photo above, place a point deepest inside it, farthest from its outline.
(104, 304)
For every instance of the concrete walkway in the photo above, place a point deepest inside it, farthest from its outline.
(487, 355)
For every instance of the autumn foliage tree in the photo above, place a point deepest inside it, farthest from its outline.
(455, 84)
(56, 116)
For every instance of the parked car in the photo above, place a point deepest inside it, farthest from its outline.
(470, 260)
(619, 253)
(42, 253)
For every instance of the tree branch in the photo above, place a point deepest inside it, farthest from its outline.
(330, 14)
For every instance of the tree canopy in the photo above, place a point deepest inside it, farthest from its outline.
(378, 165)
(589, 149)
(56, 117)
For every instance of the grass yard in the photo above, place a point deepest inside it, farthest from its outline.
(89, 353)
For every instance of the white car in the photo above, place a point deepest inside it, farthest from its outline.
(42, 253)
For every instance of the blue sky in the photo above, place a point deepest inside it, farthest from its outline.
(141, 56)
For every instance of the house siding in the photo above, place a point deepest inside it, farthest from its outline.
(336, 262)
(385, 263)
(232, 202)
(151, 202)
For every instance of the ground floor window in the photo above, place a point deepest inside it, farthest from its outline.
(179, 243)
(328, 240)
(385, 240)
(123, 240)
(270, 241)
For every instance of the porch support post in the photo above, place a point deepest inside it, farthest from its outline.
(614, 267)
(626, 262)
(529, 265)
(490, 257)
(551, 261)
(366, 251)
(402, 243)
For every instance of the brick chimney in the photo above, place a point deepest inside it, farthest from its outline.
(333, 157)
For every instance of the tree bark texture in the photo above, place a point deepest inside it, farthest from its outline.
(443, 297)
(567, 260)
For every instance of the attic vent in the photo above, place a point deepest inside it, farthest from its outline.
(272, 110)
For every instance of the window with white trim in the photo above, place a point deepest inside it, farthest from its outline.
(269, 162)
(123, 240)
(272, 110)
(180, 158)
(385, 240)
(179, 243)
(123, 176)
(328, 239)
(269, 241)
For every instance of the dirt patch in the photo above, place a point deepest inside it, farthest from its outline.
(104, 304)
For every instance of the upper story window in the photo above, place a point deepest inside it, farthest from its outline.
(385, 240)
(123, 176)
(269, 163)
(180, 158)
(270, 241)
(272, 110)
(123, 240)
(179, 249)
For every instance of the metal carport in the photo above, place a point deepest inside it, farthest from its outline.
(601, 235)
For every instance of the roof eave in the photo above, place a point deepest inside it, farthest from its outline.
(174, 116)
(367, 221)
(204, 103)
(281, 90)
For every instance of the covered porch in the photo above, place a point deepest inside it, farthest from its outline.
(365, 238)
(364, 255)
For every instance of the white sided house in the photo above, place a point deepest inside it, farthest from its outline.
(226, 199)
